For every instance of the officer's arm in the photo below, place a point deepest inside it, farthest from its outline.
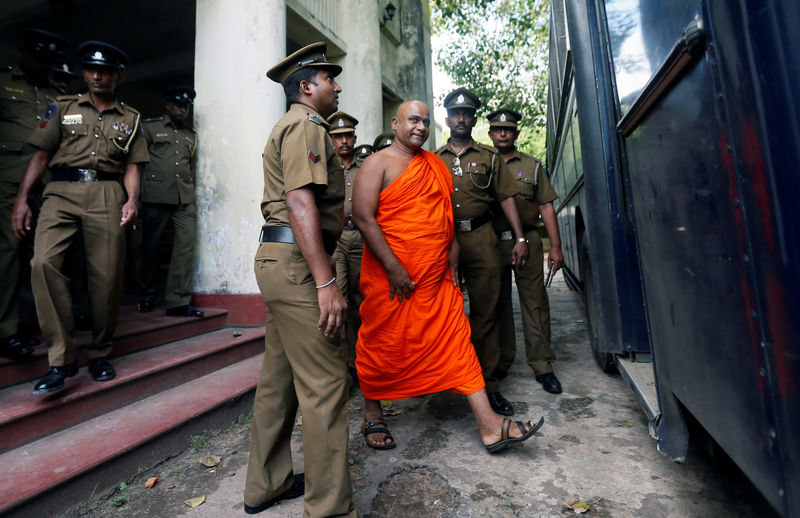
(555, 258)
(21, 215)
(131, 207)
(366, 193)
(304, 219)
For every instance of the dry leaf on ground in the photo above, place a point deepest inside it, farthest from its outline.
(196, 501)
(579, 506)
(210, 461)
(151, 482)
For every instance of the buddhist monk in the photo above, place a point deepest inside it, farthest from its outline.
(414, 337)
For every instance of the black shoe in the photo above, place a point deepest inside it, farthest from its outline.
(83, 322)
(54, 379)
(297, 489)
(184, 311)
(145, 305)
(101, 369)
(353, 375)
(500, 404)
(14, 348)
(549, 383)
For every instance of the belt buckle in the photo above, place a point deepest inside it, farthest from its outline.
(506, 236)
(87, 175)
(465, 225)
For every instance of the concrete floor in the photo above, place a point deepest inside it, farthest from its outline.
(594, 446)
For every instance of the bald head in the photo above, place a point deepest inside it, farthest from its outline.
(410, 125)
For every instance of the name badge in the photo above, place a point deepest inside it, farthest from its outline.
(71, 120)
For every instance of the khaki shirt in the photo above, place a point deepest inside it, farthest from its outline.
(533, 189)
(478, 186)
(168, 178)
(22, 109)
(299, 153)
(79, 135)
(349, 181)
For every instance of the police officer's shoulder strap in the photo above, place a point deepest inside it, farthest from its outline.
(313, 117)
(74, 97)
(440, 150)
(153, 119)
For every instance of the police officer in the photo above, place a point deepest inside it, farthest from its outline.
(303, 361)
(24, 95)
(90, 141)
(480, 178)
(350, 247)
(167, 185)
(362, 151)
(381, 141)
(535, 194)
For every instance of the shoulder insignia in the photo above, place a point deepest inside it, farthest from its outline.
(313, 117)
(68, 97)
(51, 110)
(153, 119)
(311, 156)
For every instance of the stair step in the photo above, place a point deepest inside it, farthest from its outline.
(135, 331)
(42, 465)
(25, 417)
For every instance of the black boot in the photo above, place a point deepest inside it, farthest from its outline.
(54, 379)
(14, 348)
(101, 369)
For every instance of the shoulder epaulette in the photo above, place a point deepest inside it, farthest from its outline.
(74, 97)
(486, 147)
(154, 119)
(528, 155)
(129, 108)
(313, 117)
(441, 148)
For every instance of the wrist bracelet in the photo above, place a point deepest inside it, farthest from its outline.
(327, 283)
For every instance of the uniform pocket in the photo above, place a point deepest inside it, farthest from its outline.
(526, 187)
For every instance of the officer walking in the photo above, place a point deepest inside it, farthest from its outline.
(480, 178)
(90, 141)
(535, 194)
(303, 362)
(26, 93)
(350, 247)
(167, 185)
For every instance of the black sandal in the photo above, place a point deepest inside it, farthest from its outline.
(377, 425)
(527, 430)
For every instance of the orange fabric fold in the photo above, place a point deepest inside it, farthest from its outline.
(423, 345)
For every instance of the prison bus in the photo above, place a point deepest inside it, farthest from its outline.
(672, 138)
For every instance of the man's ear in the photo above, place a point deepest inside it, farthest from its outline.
(395, 122)
(305, 87)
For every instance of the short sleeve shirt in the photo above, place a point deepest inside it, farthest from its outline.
(81, 136)
(168, 177)
(533, 189)
(22, 109)
(299, 153)
(476, 182)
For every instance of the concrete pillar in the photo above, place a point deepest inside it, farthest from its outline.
(361, 75)
(236, 107)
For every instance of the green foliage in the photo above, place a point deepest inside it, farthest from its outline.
(200, 442)
(498, 49)
(119, 501)
(123, 486)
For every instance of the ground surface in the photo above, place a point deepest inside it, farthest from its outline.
(594, 446)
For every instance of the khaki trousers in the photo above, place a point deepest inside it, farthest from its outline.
(534, 306)
(155, 217)
(347, 258)
(301, 367)
(479, 264)
(94, 209)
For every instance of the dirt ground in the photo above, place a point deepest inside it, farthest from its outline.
(594, 447)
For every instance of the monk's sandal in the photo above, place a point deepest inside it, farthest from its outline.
(527, 429)
(377, 425)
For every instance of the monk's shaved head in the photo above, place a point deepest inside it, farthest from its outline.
(410, 125)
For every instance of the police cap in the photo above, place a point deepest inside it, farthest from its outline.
(64, 67)
(461, 98)
(383, 140)
(100, 54)
(44, 43)
(504, 118)
(363, 151)
(309, 56)
(179, 95)
(342, 122)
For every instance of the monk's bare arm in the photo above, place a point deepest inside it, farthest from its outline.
(366, 193)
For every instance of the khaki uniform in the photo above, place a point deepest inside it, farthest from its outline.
(79, 136)
(22, 107)
(167, 194)
(347, 257)
(534, 189)
(477, 184)
(301, 365)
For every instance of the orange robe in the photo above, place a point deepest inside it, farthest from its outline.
(423, 345)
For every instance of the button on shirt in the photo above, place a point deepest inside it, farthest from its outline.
(476, 187)
(299, 153)
(79, 135)
(349, 181)
(22, 109)
(533, 189)
(168, 178)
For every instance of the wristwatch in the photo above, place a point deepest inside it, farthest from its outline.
(521, 240)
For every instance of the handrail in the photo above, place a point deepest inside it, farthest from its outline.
(686, 50)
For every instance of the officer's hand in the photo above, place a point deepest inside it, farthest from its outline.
(332, 309)
(20, 217)
(555, 259)
(519, 256)
(129, 213)
(400, 284)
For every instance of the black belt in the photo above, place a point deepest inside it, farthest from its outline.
(271, 234)
(470, 224)
(349, 224)
(75, 174)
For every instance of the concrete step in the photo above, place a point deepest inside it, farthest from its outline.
(64, 464)
(135, 331)
(25, 417)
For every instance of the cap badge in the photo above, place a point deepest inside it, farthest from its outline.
(502, 117)
(363, 150)
(460, 98)
(341, 123)
(97, 55)
(65, 67)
